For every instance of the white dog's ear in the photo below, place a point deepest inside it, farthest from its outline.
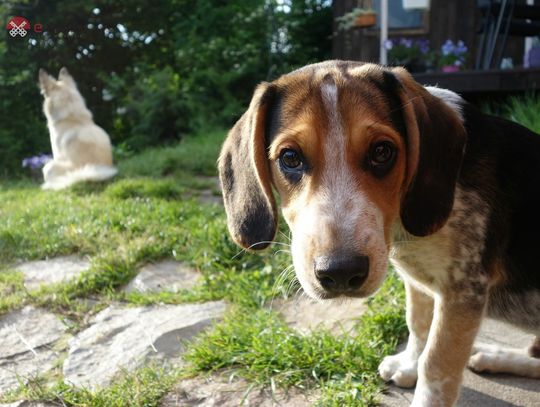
(46, 82)
(65, 77)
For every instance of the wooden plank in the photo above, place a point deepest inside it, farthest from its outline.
(511, 80)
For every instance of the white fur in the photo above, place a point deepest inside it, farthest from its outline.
(90, 172)
(452, 99)
(401, 368)
(81, 150)
(495, 359)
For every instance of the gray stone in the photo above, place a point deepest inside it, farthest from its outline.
(209, 197)
(56, 270)
(24, 335)
(122, 338)
(211, 194)
(304, 314)
(493, 390)
(20, 368)
(219, 391)
(167, 275)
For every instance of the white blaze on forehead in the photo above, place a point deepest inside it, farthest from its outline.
(337, 188)
(335, 172)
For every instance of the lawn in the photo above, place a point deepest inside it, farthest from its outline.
(151, 212)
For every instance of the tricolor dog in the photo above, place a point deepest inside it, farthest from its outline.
(371, 166)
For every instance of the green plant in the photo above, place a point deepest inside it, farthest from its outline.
(452, 54)
(408, 51)
(347, 20)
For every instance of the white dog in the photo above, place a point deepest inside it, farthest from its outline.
(81, 150)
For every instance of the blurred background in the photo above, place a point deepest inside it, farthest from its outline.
(153, 71)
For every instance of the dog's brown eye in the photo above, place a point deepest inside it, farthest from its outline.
(381, 158)
(382, 153)
(290, 160)
(292, 165)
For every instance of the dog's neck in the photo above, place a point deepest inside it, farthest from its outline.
(69, 115)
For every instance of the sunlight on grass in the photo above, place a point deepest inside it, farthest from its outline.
(262, 348)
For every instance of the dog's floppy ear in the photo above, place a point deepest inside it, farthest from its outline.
(245, 176)
(46, 82)
(65, 77)
(435, 141)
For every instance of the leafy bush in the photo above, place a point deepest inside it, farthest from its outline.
(151, 110)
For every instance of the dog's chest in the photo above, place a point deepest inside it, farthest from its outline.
(450, 258)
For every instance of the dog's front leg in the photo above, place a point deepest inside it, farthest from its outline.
(451, 337)
(402, 368)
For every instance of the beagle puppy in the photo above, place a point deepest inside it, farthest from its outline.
(370, 166)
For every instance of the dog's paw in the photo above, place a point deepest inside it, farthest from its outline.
(492, 359)
(402, 369)
(481, 362)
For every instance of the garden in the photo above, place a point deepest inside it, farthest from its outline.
(167, 82)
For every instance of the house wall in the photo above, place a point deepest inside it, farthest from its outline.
(446, 19)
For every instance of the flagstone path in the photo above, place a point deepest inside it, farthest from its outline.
(121, 338)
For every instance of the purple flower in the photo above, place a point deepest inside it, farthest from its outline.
(453, 54)
(448, 47)
(36, 162)
(461, 48)
(407, 42)
(388, 44)
(423, 44)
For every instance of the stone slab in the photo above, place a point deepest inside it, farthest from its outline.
(122, 338)
(220, 391)
(304, 314)
(24, 336)
(493, 390)
(51, 271)
(167, 275)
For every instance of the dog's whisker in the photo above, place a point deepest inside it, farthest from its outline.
(285, 236)
(258, 243)
(285, 274)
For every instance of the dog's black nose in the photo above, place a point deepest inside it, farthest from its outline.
(341, 273)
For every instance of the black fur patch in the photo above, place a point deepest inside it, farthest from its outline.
(502, 164)
(430, 198)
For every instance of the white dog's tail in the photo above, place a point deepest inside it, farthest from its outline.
(90, 172)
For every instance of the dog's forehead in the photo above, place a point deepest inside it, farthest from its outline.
(360, 90)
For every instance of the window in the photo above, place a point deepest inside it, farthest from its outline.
(399, 18)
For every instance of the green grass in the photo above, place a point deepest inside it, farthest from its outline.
(195, 156)
(520, 109)
(152, 212)
(263, 349)
(142, 388)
